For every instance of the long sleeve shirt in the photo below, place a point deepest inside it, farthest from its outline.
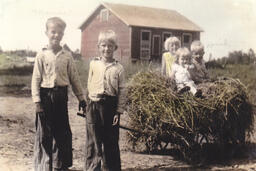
(106, 78)
(52, 70)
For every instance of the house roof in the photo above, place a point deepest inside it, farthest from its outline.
(148, 17)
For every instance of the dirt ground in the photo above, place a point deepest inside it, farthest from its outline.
(17, 134)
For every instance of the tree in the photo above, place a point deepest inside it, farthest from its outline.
(252, 55)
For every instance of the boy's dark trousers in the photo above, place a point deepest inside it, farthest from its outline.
(53, 140)
(102, 148)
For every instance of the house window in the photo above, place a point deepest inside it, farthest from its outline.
(166, 35)
(145, 44)
(186, 39)
(104, 15)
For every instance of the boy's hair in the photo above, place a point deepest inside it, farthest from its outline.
(57, 21)
(172, 40)
(196, 45)
(109, 36)
(183, 51)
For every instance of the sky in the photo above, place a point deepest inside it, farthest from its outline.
(228, 24)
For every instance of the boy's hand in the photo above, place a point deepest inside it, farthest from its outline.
(82, 105)
(39, 108)
(116, 119)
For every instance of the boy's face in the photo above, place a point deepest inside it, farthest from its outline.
(198, 54)
(184, 60)
(107, 49)
(54, 34)
(173, 47)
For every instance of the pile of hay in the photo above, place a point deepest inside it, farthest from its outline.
(162, 116)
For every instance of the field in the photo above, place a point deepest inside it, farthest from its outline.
(17, 125)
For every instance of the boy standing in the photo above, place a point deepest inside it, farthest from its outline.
(54, 70)
(199, 73)
(106, 102)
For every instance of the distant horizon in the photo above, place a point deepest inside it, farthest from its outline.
(228, 25)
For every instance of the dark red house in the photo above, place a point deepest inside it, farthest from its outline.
(141, 31)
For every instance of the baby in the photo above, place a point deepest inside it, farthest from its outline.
(180, 71)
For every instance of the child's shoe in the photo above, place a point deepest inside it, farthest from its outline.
(184, 89)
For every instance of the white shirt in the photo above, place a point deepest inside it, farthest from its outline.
(182, 77)
(52, 70)
(106, 78)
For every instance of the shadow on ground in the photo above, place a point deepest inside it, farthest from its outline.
(214, 156)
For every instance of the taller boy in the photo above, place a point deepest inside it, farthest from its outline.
(106, 102)
(54, 71)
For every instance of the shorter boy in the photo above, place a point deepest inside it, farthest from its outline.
(199, 73)
(180, 70)
(54, 70)
(106, 88)
(171, 45)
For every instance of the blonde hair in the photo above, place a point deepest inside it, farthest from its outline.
(170, 40)
(183, 51)
(196, 46)
(109, 36)
(57, 21)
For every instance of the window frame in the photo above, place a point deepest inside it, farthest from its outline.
(149, 43)
(102, 12)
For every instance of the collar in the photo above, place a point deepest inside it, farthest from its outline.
(100, 59)
(62, 50)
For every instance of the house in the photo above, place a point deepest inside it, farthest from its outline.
(141, 31)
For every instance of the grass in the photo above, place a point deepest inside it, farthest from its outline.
(15, 80)
(14, 65)
(245, 73)
(9, 60)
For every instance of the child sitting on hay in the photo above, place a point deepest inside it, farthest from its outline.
(199, 73)
(181, 71)
(171, 45)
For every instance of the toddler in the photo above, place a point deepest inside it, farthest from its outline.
(199, 73)
(180, 71)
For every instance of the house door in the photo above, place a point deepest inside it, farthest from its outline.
(156, 45)
(145, 44)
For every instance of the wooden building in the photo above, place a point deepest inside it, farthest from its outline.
(141, 31)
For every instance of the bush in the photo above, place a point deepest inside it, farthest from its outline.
(235, 57)
(17, 69)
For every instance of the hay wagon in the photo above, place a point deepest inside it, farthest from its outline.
(222, 115)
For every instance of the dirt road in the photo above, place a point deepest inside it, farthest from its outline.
(17, 134)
